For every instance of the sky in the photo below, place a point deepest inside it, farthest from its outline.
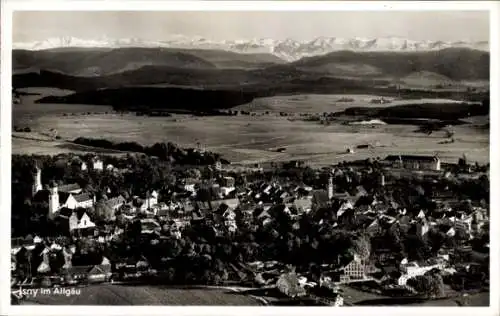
(415, 25)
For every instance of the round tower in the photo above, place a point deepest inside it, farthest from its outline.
(53, 199)
(37, 180)
(382, 179)
(330, 187)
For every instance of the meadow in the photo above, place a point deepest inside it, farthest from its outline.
(251, 139)
(106, 294)
(319, 103)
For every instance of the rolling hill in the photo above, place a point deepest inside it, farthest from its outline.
(132, 66)
(105, 75)
(267, 81)
(106, 61)
(63, 68)
(453, 63)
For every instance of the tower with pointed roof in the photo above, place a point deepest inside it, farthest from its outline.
(37, 180)
(53, 199)
(330, 187)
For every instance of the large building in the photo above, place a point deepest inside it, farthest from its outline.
(414, 162)
(58, 197)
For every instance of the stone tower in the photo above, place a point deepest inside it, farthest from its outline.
(53, 199)
(37, 180)
(330, 187)
(381, 180)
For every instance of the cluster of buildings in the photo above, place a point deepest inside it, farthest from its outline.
(218, 202)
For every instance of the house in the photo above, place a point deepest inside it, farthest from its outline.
(142, 264)
(44, 266)
(421, 214)
(231, 203)
(218, 165)
(320, 199)
(190, 187)
(414, 162)
(151, 200)
(229, 217)
(96, 164)
(227, 186)
(77, 274)
(69, 196)
(83, 200)
(80, 220)
(450, 232)
(149, 226)
(412, 269)
(374, 227)
(68, 256)
(303, 205)
(422, 228)
(464, 224)
(347, 205)
(174, 230)
(72, 188)
(100, 272)
(357, 269)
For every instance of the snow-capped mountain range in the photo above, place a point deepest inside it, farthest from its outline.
(288, 49)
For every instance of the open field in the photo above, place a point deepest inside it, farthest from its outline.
(28, 111)
(319, 103)
(358, 297)
(146, 295)
(248, 139)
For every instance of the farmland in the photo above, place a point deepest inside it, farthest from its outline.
(249, 139)
(147, 295)
(319, 103)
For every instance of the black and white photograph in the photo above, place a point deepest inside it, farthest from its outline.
(185, 157)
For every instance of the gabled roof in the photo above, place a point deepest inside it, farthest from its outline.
(303, 204)
(230, 203)
(100, 269)
(68, 187)
(82, 197)
(79, 213)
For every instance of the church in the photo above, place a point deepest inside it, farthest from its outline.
(65, 196)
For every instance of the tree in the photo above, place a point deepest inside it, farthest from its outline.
(193, 173)
(56, 261)
(416, 248)
(362, 246)
(431, 285)
(205, 195)
(103, 211)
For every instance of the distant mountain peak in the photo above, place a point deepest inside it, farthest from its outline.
(287, 49)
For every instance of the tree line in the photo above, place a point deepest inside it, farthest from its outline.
(164, 151)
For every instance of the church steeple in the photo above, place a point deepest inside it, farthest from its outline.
(330, 187)
(37, 179)
(53, 199)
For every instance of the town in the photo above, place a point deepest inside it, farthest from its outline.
(404, 227)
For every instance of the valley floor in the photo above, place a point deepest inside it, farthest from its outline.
(246, 139)
(243, 138)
